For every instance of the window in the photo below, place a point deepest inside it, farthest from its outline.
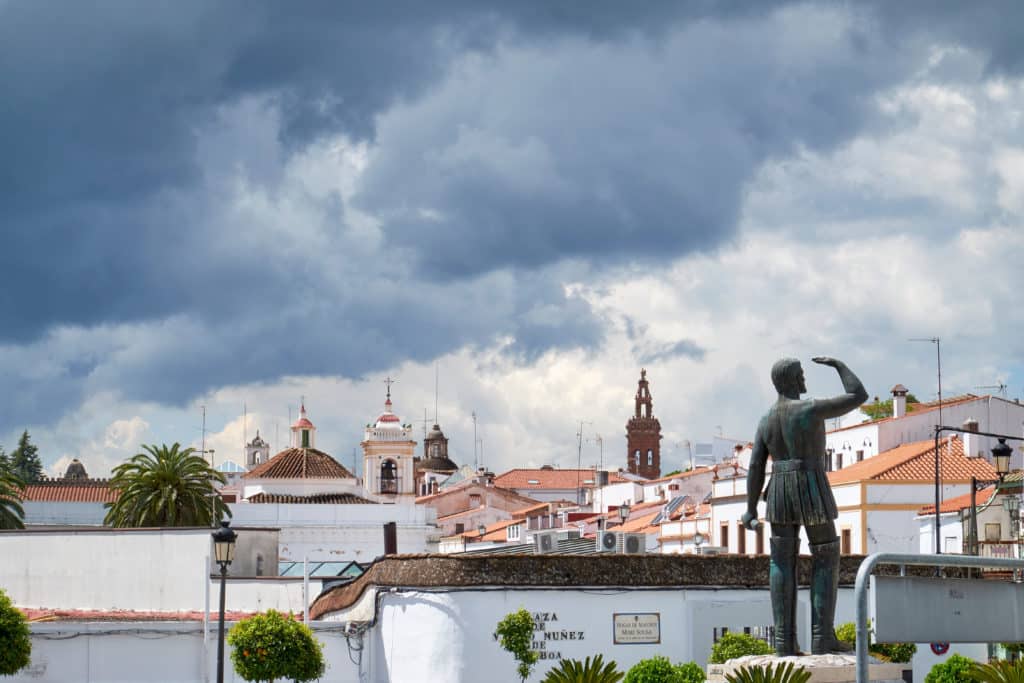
(741, 539)
(474, 500)
(460, 527)
(259, 565)
(952, 546)
(636, 457)
(650, 457)
(860, 455)
(388, 477)
(513, 532)
(846, 542)
(993, 532)
(839, 460)
(828, 459)
(724, 536)
(305, 438)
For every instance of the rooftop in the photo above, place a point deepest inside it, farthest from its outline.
(69, 491)
(552, 479)
(914, 409)
(300, 463)
(916, 462)
(314, 499)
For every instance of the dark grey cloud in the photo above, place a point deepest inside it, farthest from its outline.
(509, 142)
(661, 352)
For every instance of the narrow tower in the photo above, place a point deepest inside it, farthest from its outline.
(643, 435)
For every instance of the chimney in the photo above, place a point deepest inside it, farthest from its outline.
(899, 400)
(972, 442)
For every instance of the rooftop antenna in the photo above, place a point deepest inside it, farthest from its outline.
(425, 421)
(579, 459)
(1000, 388)
(436, 374)
(476, 465)
(245, 431)
(202, 448)
(938, 364)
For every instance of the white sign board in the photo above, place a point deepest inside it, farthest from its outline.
(924, 610)
(637, 629)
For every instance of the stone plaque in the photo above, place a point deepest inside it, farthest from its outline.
(637, 628)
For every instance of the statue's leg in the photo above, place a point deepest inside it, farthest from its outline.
(782, 582)
(824, 587)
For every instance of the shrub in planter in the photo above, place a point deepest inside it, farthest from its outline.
(272, 645)
(575, 671)
(898, 653)
(659, 669)
(956, 669)
(733, 645)
(15, 646)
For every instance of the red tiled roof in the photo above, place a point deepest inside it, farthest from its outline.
(640, 523)
(681, 475)
(961, 502)
(70, 491)
(316, 499)
(551, 479)
(916, 462)
(495, 532)
(917, 409)
(300, 463)
(37, 615)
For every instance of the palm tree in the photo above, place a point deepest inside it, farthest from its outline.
(165, 487)
(11, 512)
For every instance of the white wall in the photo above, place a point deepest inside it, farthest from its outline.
(63, 514)
(161, 652)
(162, 571)
(341, 532)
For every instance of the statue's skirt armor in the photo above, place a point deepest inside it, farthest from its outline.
(799, 493)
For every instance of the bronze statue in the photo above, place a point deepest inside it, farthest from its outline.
(798, 494)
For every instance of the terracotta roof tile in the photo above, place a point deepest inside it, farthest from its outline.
(316, 499)
(300, 463)
(703, 469)
(70, 491)
(916, 462)
(640, 523)
(40, 615)
(961, 502)
(551, 479)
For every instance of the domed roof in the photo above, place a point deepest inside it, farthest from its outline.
(387, 419)
(438, 465)
(75, 470)
(435, 433)
(303, 422)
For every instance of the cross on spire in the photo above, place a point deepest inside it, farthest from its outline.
(389, 382)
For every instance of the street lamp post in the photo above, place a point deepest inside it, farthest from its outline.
(1001, 457)
(224, 552)
(623, 513)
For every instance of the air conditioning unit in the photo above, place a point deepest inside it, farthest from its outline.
(545, 542)
(633, 544)
(711, 550)
(607, 542)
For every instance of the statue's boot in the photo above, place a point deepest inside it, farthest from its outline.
(782, 581)
(824, 586)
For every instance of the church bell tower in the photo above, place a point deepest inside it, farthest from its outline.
(643, 435)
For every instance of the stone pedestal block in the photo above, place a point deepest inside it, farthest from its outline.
(823, 668)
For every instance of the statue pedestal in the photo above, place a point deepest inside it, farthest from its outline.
(823, 668)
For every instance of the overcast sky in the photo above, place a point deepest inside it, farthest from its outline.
(227, 204)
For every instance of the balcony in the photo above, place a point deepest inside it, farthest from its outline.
(1009, 550)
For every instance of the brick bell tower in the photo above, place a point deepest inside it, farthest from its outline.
(643, 435)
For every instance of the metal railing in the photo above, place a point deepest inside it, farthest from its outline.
(901, 560)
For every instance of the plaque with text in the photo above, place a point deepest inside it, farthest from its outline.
(637, 628)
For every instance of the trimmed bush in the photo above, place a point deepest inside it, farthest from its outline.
(15, 645)
(659, 669)
(271, 645)
(956, 669)
(733, 645)
(898, 653)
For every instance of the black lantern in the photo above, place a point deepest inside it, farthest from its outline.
(481, 530)
(224, 552)
(624, 512)
(1001, 457)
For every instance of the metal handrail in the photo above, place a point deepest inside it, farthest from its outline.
(860, 591)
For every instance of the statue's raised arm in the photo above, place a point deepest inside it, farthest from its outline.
(854, 397)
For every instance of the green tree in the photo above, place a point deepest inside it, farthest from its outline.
(733, 645)
(15, 645)
(11, 512)
(956, 669)
(165, 487)
(575, 671)
(24, 460)
(659, 669)
(271, 645)
(515, 632)
(879, 409)
(5, 462)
